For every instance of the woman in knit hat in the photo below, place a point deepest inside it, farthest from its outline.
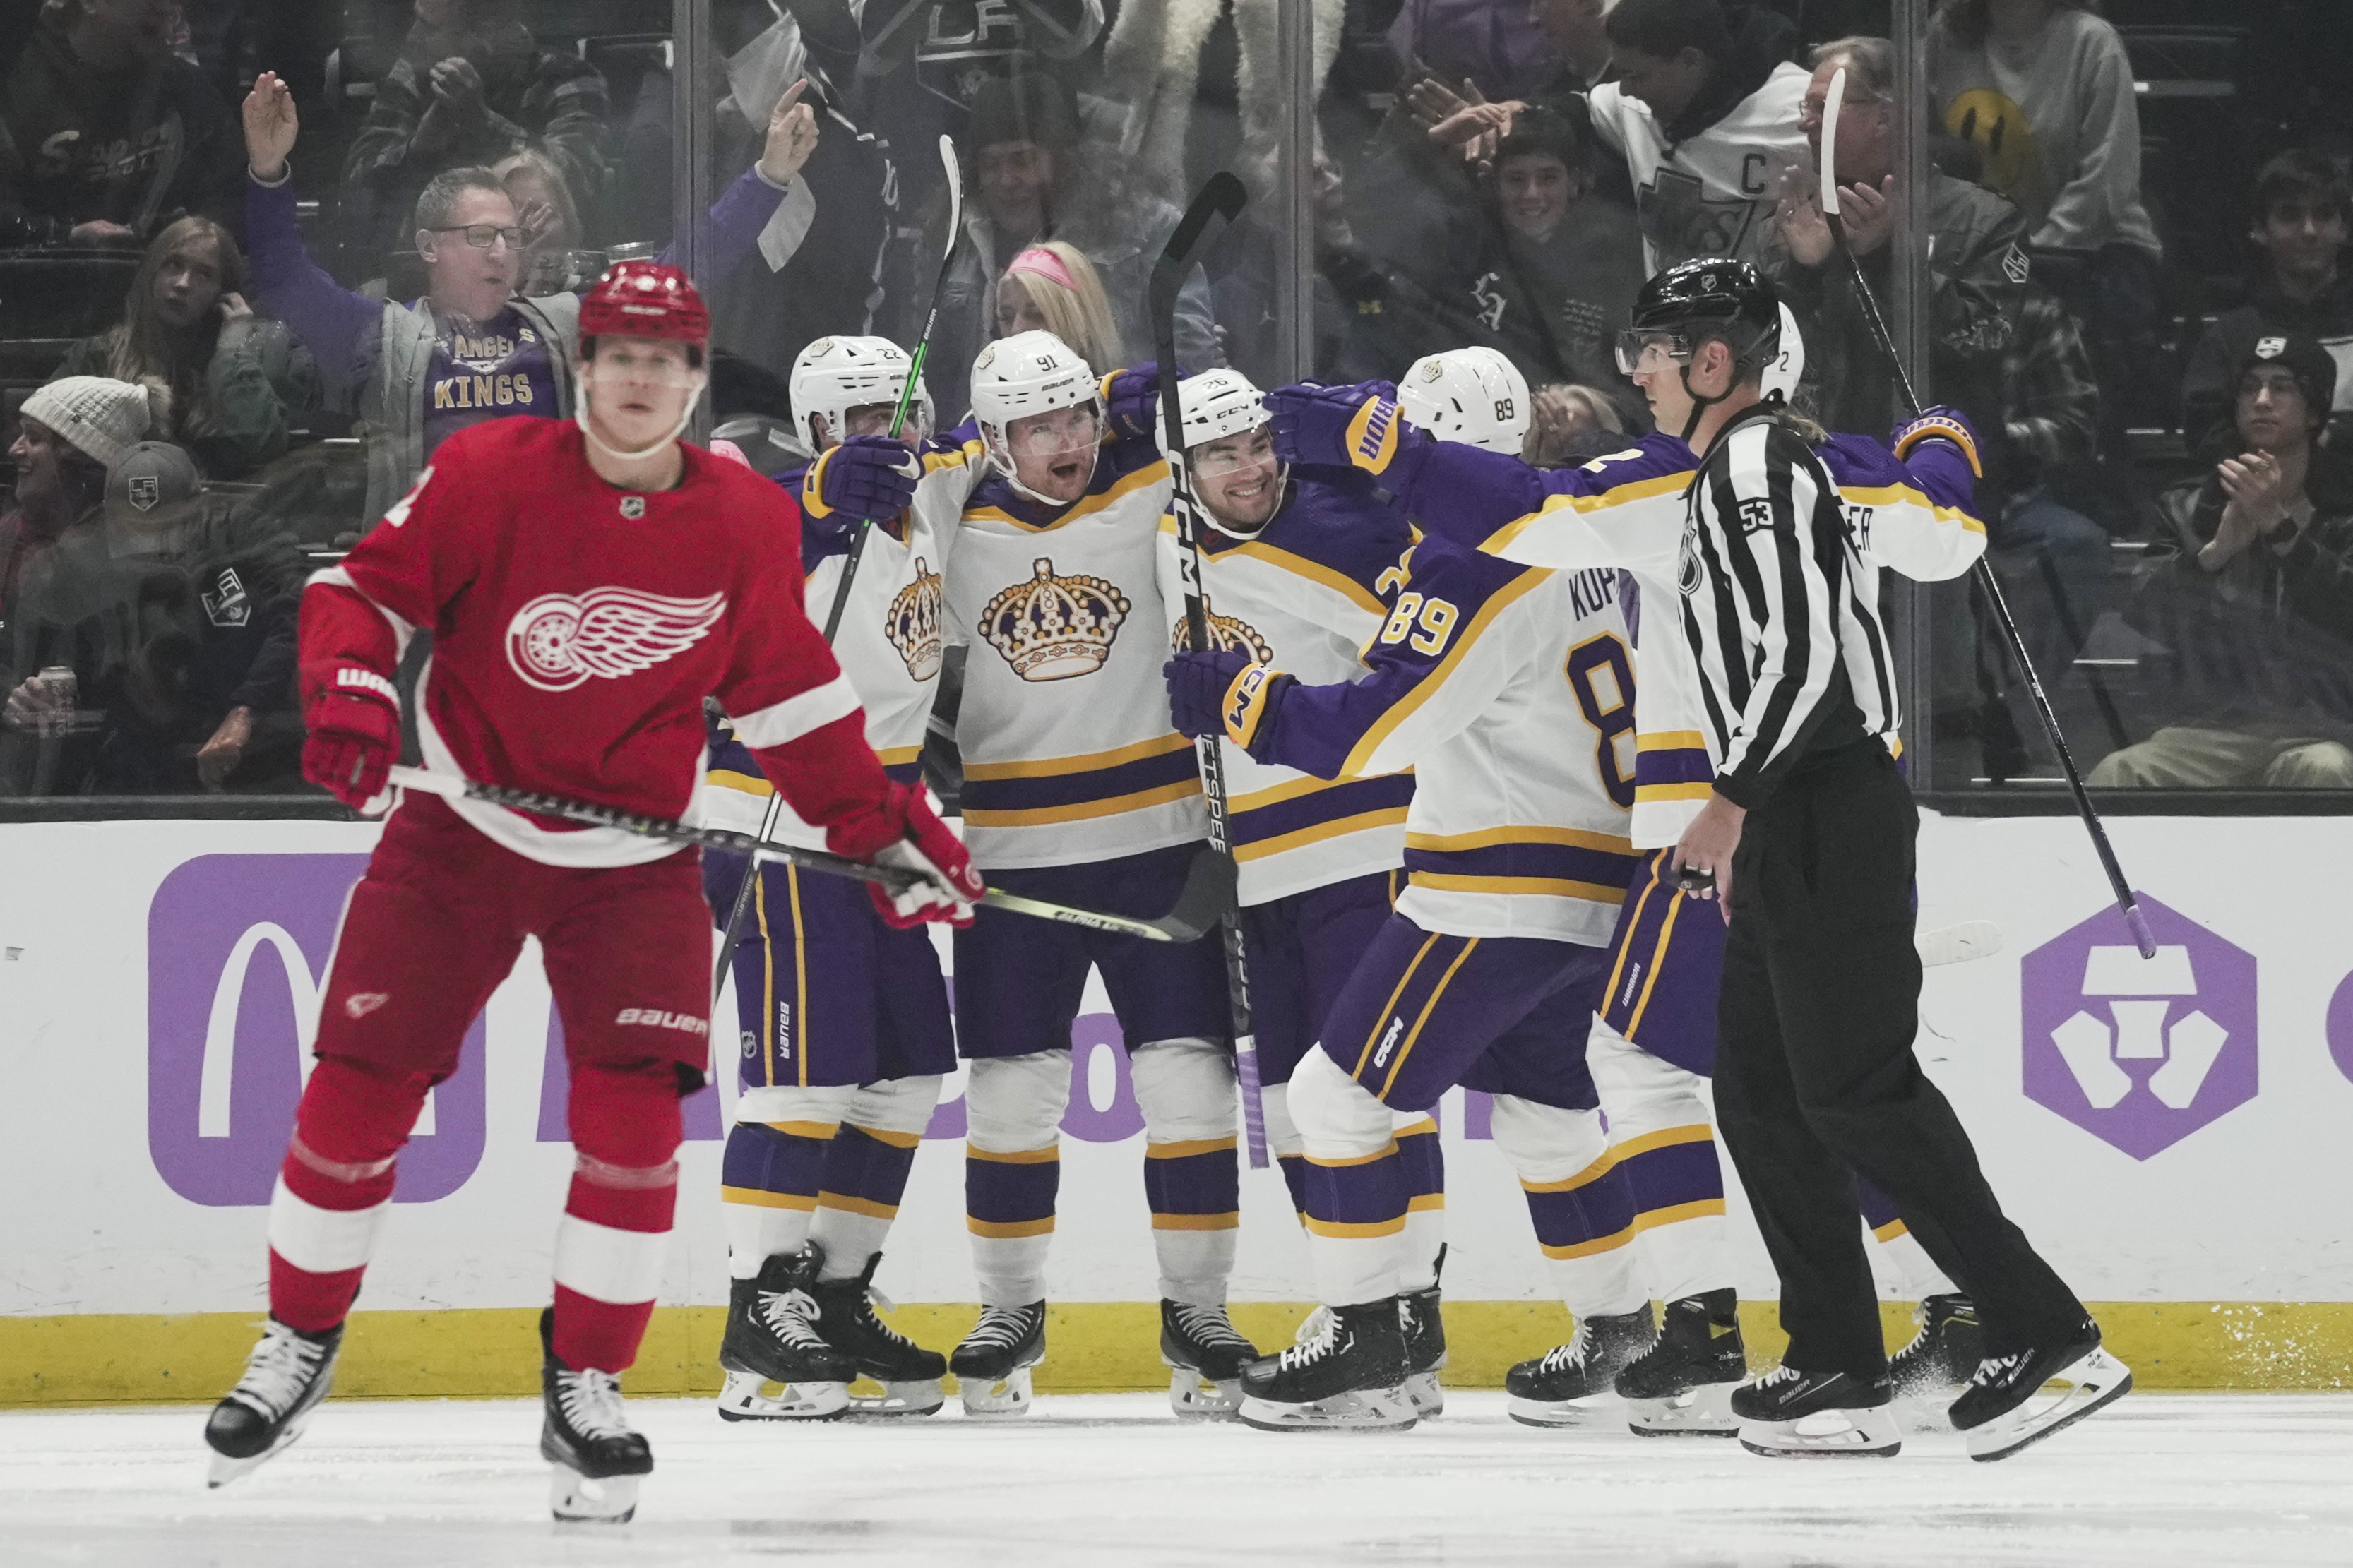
(71, 431)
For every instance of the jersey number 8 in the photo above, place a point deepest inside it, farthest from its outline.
(1437, 619)
(1604, 656)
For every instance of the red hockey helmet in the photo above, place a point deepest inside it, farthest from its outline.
(645, 299)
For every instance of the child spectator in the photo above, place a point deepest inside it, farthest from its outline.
(2302, 200)
(220, 380)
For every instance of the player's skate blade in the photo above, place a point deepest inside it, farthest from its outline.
(1793, 1415)
(896, 1376)
(994, 1362)
(1205, 1355)
(1573, 1385)
(586, 1436)
(1701, 1412)
(771, 1341)
(285, 1378)
(2022, 1399)
(1341, 1378)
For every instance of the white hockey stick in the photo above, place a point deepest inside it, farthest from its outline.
(1962, 943)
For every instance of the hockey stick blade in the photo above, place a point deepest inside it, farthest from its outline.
(1222, 195)
(1962, 943)
(1182, 924)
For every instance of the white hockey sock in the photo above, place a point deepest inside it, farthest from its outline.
(1013, 1110)
(1192, 1173)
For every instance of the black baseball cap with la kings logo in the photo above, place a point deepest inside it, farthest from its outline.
(153, 481)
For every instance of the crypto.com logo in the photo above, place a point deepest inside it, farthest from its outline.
(237, 955)
(2139, 1053)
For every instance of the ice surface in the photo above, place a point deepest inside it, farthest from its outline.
(1091, 1479)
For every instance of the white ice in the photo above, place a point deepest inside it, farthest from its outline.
(1112, 1479)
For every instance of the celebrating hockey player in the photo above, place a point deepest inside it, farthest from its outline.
(1079, 789)
(1654, 1039)
(1290, 561)
(845, 1034)
(1489, 966)
(1703, 333)
(586, 587)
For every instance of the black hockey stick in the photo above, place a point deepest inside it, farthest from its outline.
(735, 929)
(1222, 195)
(2126, 903)
(1207, 892)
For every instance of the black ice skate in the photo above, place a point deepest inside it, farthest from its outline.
(1682, 1387)
(1205, 1354)
(586, 1436)
(2019, 1399)
(908, 1374)
(285, 1377)
(770, 1339)
(1790, 1413)
(994, 1362)
(1943, 1355)
(1569, 1385)
(1425, 1351)
(1344, 1377)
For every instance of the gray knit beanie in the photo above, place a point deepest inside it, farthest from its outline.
(98, 416)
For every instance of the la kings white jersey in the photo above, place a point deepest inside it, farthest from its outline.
(890, 644)
(1510, 692)
(1070, 755)
(1300, 595)
(1713, 193)
(1628, 511)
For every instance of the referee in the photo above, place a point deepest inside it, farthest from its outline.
(1808, 836)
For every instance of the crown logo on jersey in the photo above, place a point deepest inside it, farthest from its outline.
(1055, 628)
(1229, 634)
(913, 623)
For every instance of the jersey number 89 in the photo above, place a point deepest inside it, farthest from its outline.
(1605, 656)
(1428, 622)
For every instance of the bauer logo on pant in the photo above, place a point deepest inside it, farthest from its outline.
(1055, 628)
(2139, 1053)
(557, 641)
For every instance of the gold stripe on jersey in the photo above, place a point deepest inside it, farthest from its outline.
(1299, 837)
(1298, 566)
(1513, 833)
(1360, 756)
(1083, 811)
(1543, 887)
(1639, 489)
(1086, 506)
(1048, 767)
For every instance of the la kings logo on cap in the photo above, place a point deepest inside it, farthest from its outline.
(145, 490)
(2266, 348)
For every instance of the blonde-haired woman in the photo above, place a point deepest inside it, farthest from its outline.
(1052, 287)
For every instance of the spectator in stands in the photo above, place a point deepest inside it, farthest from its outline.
(175, 610)
(221, 381)
(1578, 31)
(2254, 601)
(550, 221)
(1559, 271)
(471, 349)
(2044, 90)
(1034, 177)
(2302, 202)
(1496, 47)
(105, 134)
(1704, 110)
(1571, 425)
(67, 433)
(471, 85)
(1051, 287)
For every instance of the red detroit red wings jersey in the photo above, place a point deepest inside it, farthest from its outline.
(576, 629)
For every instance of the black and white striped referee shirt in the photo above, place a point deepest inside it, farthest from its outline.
(1780, 612)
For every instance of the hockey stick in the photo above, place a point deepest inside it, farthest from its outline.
(735, 929)
(1221, 196)
(1207, 892)
(1963, 944)
(2126, 903)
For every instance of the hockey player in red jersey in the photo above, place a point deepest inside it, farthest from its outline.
(586, 587)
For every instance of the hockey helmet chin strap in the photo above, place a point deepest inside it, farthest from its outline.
(580, 417)
(1000, 452)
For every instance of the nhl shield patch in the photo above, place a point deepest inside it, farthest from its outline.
(633, 507)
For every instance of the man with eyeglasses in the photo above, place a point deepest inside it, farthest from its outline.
(471, 349)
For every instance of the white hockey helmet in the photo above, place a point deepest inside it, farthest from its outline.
(1215, 405)
(1472, 395)
(1786, 370)
(834, 375)
(1028, 373)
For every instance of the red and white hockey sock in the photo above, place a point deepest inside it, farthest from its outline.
(615, 1235)
(334, 1188)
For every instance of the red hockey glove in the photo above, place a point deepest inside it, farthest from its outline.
(354, 737)
(905, 832)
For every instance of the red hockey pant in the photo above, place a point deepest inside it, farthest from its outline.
(431, 932)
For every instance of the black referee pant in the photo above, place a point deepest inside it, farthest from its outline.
(1815, 1079)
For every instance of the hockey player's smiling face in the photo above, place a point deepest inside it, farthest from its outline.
(1239, 480)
